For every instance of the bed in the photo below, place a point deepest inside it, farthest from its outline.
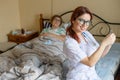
(42, 58)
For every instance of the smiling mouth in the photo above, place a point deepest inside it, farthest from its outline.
(82, 28)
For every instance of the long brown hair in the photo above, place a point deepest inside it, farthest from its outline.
(76, 13)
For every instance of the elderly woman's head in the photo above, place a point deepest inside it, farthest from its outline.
(56, 21)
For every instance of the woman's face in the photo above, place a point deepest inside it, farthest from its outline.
(81, 23)
(56, 22)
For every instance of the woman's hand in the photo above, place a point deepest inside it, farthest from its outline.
(59, 37)
(109, 39)
(46, 34)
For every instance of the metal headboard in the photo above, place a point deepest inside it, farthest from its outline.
(93, 25)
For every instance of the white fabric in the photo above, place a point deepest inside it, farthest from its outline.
(75, 53)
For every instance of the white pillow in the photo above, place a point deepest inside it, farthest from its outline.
(47, 24)
(65, 25)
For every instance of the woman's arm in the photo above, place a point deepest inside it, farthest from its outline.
(103, 48)
(93, 59)
(106, 50)
(59, 37)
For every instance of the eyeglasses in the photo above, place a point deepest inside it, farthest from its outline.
(57, 19)
(83, 22)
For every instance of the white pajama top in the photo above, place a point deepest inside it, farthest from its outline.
(75, 52)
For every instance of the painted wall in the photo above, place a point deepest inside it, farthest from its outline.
(30, 11)
(9, 17)
(105, 8)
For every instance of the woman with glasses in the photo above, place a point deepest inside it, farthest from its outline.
(81, 48)
(55, 30)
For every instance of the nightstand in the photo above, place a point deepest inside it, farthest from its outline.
(20, 38)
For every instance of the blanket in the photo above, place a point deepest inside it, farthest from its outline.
(38, 59)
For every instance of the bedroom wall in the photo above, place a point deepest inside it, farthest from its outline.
(9, 17)
(30, 10)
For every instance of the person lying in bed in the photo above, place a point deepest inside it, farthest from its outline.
(55, 30)
(81, 48)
